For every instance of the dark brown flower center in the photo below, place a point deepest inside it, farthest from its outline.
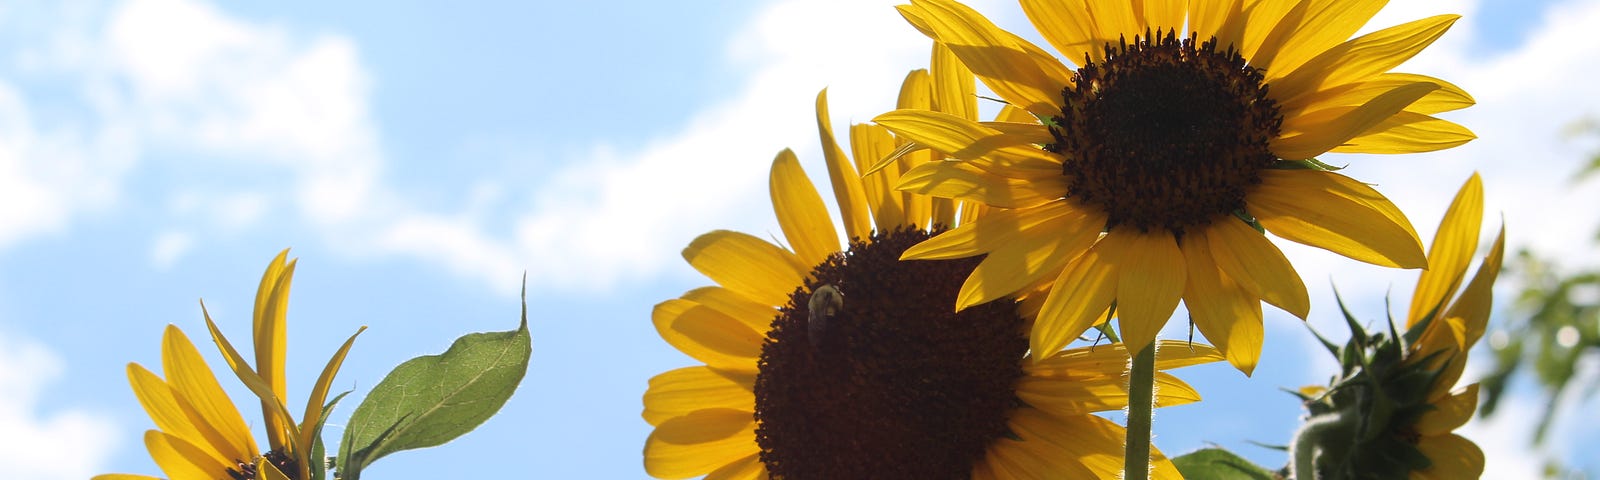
(247, 470)
(1165, 133)
(894, 384)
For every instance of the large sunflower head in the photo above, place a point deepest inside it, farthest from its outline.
(830, 360)
(1165, 137)
(1391, 410)
(201, 435)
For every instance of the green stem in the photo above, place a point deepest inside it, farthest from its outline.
(1141, 405)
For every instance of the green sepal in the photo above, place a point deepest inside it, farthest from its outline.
(319, 451)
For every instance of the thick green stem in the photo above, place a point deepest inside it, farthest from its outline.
(1141, 405)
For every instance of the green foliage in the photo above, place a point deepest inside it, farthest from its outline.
(432, 399)
(1554, 324)
(1220, 464)
(319, 451)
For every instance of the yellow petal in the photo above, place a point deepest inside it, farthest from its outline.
(1161, 14)
(171, 413)
(1068, 26)
(1021, 252)
(1408, 132)
(1453, 246)
(319, 392)
(700, 442)
(1449, 413)
(800, 211)
(1094, 442)
(1112, 359)
(748, 265)
(1448, 97)
(1077, 396)
(1008, 65)
(1218, 18)
(180, 459)
(1150, 276)
(847, 190)
(1333, 212)
(1313, 133)
(1361, 58)
(1003, 227)
(707, 335)
(192, 380)
(871, 143)
(1476, 301)
(955, 90)
(1255, 23)
(1045, 447)
(1080, 295)
(1226, 314)
(1311, 28)
(966, 139)
(1247, 257)
(751, 313)
(272, 405)
(747, 468)
(678, 392)
(271, 347)
(964, 181)
(1452, 457)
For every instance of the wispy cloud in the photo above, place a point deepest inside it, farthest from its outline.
(45, 441)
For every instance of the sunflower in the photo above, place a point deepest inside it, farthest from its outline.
(201, 435)
(1148, 173)
(1391, 411)
(830, 361)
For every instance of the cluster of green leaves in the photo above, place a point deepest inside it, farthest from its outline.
(429, 400)
(1554, 324)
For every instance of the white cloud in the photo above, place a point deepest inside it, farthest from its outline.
(168, 247)
(57, 443)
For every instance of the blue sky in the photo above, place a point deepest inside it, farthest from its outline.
(420, 158)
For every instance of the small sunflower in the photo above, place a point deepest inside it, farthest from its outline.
(201, 435)
(830, 361)
(1391, 412)
(1149, 172)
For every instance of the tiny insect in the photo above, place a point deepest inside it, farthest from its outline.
(826, 301)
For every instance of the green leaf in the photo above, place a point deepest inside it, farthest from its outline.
(432, 399)
(319, 452)
(1219, 464)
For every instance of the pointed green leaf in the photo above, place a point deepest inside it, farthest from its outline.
(432, 399)
(1219, 464)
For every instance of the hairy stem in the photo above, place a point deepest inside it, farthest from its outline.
(1141, 405)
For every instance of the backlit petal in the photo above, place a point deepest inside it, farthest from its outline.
(1408, 132)
(1150, 280)
(1308, 30)
(1247, 257)
(1011, 67)
(1080, 296)
(966, 139)
(1453, 246)
(1334, 212)
(1361, 58)
(1453, 457)
(1078, 396)
(1022, 259)
(191, 379)
(800, 211)
(1313, 133)
(1449, 413)
(1224, 311)
(964, 181)
(678, 392)
(707, 335)
(847, 189)
(700, 442)
(746, 264)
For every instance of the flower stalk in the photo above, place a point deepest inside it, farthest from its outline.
(1141, 407)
